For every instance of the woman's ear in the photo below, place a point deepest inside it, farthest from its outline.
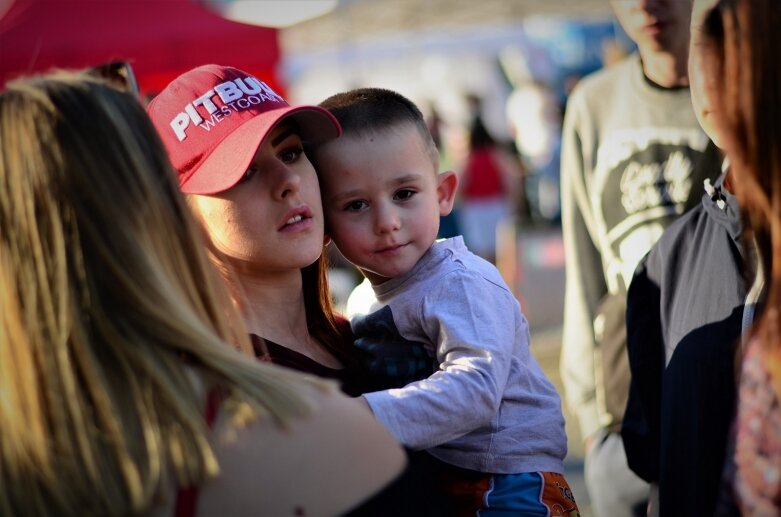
(326, 240)
(447, 183)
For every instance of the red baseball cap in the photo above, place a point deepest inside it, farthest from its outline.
(213, 118)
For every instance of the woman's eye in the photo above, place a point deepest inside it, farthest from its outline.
(291, 154)
(404, 194)
(248, 174)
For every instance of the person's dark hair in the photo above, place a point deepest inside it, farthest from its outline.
(368, 111)
(320, 312)
(479, 135)
(117, 73)
(748, 41)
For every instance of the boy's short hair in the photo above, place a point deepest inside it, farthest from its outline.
(366, 111)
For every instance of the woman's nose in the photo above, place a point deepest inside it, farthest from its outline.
(287, 182)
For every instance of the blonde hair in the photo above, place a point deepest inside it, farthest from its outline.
(109, 305)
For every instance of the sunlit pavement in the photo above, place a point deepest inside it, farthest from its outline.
(545, 347)
(539, 285)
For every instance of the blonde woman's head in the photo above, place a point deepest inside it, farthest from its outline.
(109, 306)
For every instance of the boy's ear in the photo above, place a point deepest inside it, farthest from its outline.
(446, 191)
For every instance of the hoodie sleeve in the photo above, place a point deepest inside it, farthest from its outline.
(641, 425)
(585, 281)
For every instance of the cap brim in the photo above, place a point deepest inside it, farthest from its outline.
(225, 166)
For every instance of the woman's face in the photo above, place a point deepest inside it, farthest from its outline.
(272, 220)
(706, 79)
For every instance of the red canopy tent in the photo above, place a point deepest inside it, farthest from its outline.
(160, 39)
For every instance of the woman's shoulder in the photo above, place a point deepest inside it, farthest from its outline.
(325, 463)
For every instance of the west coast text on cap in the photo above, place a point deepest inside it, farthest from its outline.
(213, 118)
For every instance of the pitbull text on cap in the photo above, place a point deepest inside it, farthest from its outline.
(235, 95)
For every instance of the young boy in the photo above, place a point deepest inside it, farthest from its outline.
(488, 411)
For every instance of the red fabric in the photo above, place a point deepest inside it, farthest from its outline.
(187, 498)
(186, 502)
(211, 148)
(160, 39)
(482, 176)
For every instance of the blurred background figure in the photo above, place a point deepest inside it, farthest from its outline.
(633, 159)
(535, 122)
(490, 180)
(448, 225)
(434, 122)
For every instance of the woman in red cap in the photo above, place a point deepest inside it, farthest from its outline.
(115, 340)
(238, 150)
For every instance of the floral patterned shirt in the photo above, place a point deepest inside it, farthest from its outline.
(758, 447)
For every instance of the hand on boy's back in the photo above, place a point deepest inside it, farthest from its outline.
(392, 361)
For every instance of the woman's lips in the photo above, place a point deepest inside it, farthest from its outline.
(300, 218)
(654, 28)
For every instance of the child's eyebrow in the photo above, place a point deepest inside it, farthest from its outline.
(348, 194)
(345, 195)
(403, 179)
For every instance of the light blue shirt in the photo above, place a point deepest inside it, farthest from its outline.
(488, 406)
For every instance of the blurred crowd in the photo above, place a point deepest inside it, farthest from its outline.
(170, 341)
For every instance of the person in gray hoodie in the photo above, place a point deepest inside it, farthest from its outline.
(687, 306)
(633, 160)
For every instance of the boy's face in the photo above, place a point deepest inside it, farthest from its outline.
(382, 199)
(655, 25)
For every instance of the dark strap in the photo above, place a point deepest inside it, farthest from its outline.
(187, 498)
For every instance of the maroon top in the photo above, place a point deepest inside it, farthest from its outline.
(353, 379)
(187, 497)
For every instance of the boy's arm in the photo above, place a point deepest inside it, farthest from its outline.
(474, 323)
